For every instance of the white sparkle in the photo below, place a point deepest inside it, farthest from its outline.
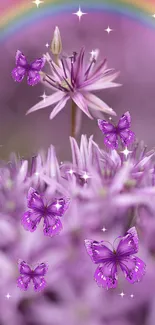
(126, 152)
(103, 229)
(131, 295)
(43, 96)
(79, 13)
(8, 296)
(110, 118)
(108, 30)
(37, 174)
(94, 54)
(37, 2)
(58, 206)
(122, 294)
(85, 176)
(47, 45)
(153, 15)
(71, 171)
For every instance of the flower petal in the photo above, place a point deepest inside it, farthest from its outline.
(52, 99)
(96, 103)
(59, 106)
(101, 84)
(80, 101)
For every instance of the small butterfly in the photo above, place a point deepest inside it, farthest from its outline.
(50, 213)
(23, 68)
(109, 260)
(122, 130)
(36, 275)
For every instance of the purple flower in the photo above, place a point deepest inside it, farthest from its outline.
(72, 80)
(50, 212)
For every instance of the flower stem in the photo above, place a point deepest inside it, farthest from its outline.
(131, 218)
(73, 119)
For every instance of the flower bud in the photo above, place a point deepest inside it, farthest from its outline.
(56, 45)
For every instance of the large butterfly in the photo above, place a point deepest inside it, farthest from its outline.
(36, 275)
(50, 213)
(122, 130)
(23, 68)
(109, 260)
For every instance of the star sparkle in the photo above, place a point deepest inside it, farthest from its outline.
(79, 13)
(43, 96)
(104, 229)
(8, 296)
(108, 30)
(126, 152)
(47, 45)
(58, 206)
(132, 295)
(38, 2)
(122, 294)
(71, 171)
(85, 176)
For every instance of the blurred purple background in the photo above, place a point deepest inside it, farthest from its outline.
(129, 48)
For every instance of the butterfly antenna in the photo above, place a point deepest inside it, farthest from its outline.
(106, 241)
(115, 240)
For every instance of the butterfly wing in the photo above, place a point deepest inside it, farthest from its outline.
(34, 200)
(32, 217)
(59, 206)
(126, 135)
(24, 280)
(111, 141)
(106, 273)
(128, 244)
(52, 226)
(106, 127)
(109, 130)
(19, 72)
(33, 73)
(38, 277)
(132, 266)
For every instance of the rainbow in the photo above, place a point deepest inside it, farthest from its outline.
(24, 13)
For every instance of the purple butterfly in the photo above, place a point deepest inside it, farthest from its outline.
(122, 130)
(36, 275)
(50, 213)
(108, 260)
(31, 70)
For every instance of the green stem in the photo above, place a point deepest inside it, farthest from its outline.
(73, 119)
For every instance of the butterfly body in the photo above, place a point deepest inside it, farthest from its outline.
(23, 68)
(28, 275)
(50, 213)
(121, 130)
(122, 257)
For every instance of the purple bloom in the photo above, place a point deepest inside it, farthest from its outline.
(72, 80)
(108, 260)
(112, 132)
(50, 212)
(31, 70)
(36, 275)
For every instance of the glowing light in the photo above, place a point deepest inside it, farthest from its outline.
(126, 152)
(37, 2)
(79, 13)
(122, 294)
(108, 30)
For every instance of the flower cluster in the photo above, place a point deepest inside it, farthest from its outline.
(110, 193)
